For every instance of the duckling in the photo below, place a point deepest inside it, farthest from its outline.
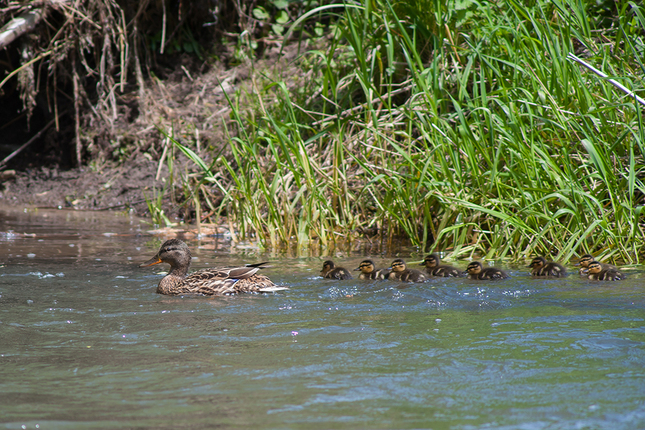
(597, 273)
(368, 271)
(434, 268)
(584, 262)
(212, 281)
(477, 271)
(542, 268)
(400, 272)
(330, 271)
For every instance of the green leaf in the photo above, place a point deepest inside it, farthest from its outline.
(277, 29)
(282, 18)
(260, 13)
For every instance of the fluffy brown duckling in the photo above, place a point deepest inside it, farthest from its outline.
(598, 273)
(330, 271)
(434, 267)
(477, 271)
(400, 272)
(586, 259)
(542, 268)
(212, 281)
(368, 271)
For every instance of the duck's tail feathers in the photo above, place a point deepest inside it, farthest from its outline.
(273, 288)
(258, 265)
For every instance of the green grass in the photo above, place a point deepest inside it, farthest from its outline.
(464, 129)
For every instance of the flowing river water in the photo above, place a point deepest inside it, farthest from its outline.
(85, 343)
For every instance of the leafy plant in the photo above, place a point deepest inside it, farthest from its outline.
(470, 131)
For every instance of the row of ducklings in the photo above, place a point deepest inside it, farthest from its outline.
(540, 267)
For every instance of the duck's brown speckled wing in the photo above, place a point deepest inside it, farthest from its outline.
(227, 280)
(553, 270)
(611, 275)
(224, 273)
(339, 273)
(492, 273)
(445, 271)
(219, 281)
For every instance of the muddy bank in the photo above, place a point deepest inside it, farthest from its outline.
(191, 104)
(113, 188)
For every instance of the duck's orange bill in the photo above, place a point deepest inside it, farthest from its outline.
(151, 262)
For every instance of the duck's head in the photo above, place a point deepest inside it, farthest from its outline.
(327, 267)
(174, 252)
(474, 268)
(398, 265)
(585, 260)
(431, 261)
(594, 267)
(366, 266)
(537, 263)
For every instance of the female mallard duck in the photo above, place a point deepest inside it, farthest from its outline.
(598, 273)
(584, 262)
(330, 271)
(434, 268)
(542, 268)
(400, 272)
(214, 281)
(477, 271)
(368, 271)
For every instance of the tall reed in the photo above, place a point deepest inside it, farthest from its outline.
(460, 126)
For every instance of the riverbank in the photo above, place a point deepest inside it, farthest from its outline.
(144, 171)
(394, 124)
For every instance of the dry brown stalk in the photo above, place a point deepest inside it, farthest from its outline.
(22, 24)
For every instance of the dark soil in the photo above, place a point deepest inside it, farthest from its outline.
(114, 188)
(190, 103)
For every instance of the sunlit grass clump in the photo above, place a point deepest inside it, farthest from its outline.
(464, 128)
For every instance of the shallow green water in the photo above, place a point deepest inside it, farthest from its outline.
(86, 343)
